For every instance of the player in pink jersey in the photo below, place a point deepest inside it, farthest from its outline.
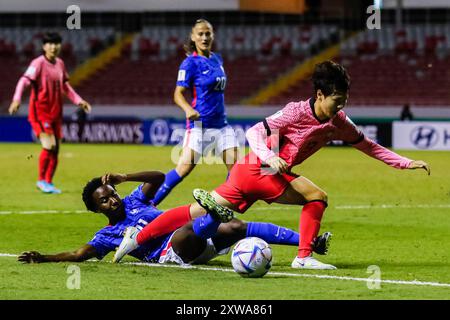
(48, 79)
(297, 131)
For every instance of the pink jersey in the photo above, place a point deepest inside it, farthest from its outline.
(49, 82)
(301, 134)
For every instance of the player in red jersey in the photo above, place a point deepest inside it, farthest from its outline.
(297, 131)
(48, 79)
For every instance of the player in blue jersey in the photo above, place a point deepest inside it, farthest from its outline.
(202, 74)
(196, 242)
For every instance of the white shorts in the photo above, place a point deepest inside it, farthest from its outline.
(168, 255)
(203, 140)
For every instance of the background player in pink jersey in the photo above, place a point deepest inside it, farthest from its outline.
(298, 131)
(48, 79)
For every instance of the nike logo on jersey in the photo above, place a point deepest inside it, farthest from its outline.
(278, 232)
(205, 72)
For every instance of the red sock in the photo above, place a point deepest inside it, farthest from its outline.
(51, 168)
(167, 222)
(44, 159)
(309, 226)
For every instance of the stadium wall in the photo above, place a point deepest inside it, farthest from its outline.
(116, 5)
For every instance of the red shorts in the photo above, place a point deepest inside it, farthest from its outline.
(248, 183)
(53, 127)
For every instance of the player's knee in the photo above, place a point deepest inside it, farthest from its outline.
(324, 196)
(318, 195)
(238, 226)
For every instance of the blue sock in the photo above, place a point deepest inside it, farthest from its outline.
(205, 226)
(272, 233)
(171, 180)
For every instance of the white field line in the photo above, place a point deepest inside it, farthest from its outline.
(364, 207)
(284, 274)
(394, 206)
(270, 208)
(43, 212)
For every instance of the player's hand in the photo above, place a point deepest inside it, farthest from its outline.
(85, 106)
(13, 107)
(114, 178)
(278, 164)
(419, 164)
(192, 115)
(31, 257)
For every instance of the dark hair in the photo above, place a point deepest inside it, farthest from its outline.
(51, 37)
(88, 190)
(329, 76)
(189, 45)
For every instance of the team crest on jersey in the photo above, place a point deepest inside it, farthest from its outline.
(181, 75)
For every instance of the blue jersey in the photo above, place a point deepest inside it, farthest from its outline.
(139, 212)
(207, 80)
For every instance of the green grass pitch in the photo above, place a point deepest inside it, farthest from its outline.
(397, 220)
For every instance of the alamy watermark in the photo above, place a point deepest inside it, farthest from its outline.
(374, 20)
(73, 22)
(374, 280)
(74, 280)
(212, 146)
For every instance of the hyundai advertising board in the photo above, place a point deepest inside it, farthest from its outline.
(418, 135)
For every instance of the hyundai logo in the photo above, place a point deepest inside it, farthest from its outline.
(424, 137)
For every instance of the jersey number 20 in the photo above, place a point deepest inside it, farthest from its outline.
(220, 83)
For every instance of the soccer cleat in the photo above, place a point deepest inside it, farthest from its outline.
(322, 242)
(127, 245)
(206, 200)
(43, 186)
(52, 188)
(310, 263)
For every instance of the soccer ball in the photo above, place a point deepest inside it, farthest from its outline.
(251, 257)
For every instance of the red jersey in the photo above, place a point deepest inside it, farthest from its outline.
(47, 82)
(300, 134)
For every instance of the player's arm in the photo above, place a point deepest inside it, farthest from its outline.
(75, 98)
(22, 85)
(84, 253)
(359, 141)
(180, 100)
(185, 80)
(272, 127)
(152, 180)
(31, 74)
(374, 150)
(71, 93)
